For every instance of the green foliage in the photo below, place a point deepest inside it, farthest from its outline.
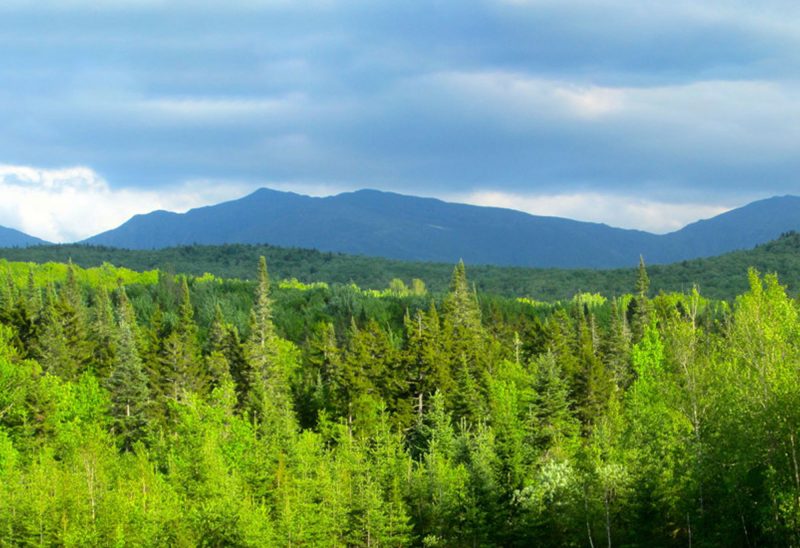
(717, 277)
(213, 412)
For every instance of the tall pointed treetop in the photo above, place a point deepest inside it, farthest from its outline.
(262, 328)
(642, 280)
(461, 304)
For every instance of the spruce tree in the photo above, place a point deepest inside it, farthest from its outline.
(461, 305)
(51, 347)
(102, 332)
(321, 384)
(7, 296)
(268, 378)
(617, 346)
(639, 309)
(33, 296)
(465, 341)
(128, 387)
(181, 366)
(424, 359)
(217, 364)
(593, 383)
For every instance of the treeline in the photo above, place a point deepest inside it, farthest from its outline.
(223, 413)
(717, 277)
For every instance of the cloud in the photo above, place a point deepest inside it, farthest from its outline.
(614, 210)
(668, 102)
(70, 204)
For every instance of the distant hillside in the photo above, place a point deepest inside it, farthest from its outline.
(390, 225)
(721, 277)
(385, 224)
(14, 238)
(741, 228)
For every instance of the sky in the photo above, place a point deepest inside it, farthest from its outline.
(640, 114)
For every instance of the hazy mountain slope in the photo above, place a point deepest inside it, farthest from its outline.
(391, 225)
(10, 237)
(741, 228)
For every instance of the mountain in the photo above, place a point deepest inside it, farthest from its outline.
(14, 238)
(385, 224)
(741, 228)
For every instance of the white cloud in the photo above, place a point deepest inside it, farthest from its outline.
(614, 210)
(70, 204)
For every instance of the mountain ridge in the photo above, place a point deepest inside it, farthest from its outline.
(11, 237)
(398, 226)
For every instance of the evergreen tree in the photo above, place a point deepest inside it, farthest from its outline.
(217, 364)
(181, 370)
(322, 385)
(33, 296)
(102, 332)
(461, 305)
(424, 358)
(52, 346)
(639, 309)
(553, 423)
(616, 347)
(593, 383)
(269, 369)
(128, 387)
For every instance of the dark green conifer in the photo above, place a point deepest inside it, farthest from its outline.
(128, 385)
(102, 332)
(217, 364)
(181, 365)
(616, 347)
(424, 358)
(639, 309)
(33, 297)
(268, 380)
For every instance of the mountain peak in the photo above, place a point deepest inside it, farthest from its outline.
(380, 223)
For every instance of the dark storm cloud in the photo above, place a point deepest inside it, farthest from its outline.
(659, 98)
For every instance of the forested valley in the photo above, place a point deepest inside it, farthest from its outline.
(153, 409)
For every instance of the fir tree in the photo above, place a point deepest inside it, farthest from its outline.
(102, 332)
(129, 392)
(424, 357)
(639, 309)
(181, 367)
(217, 364)
(269, 395)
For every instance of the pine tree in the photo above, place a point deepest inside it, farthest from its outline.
(617, 347)
(7, 296)
(72, 316)
(424, 357)
(152, 351)
(102, 332)
(593, 384)
(461, 304)
(33, 296)
(553, 423)
(322, 387)
(128, 386)
(465, 341)
(52, 350)
(268, 377)
(262, 328)
(639, 309)
(181, 365)
(217, 364)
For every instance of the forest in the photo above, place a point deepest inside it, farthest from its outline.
(716, 277)
(155, 409)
